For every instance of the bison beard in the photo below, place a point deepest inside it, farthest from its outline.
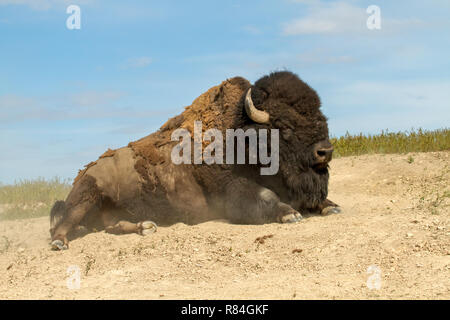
(127, 187)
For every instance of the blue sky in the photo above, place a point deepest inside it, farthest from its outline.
(68, 95)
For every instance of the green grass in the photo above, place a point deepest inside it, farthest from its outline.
(388, 142)
(31, 198)
(34, 198)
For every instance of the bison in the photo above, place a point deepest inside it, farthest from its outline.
(130, 189)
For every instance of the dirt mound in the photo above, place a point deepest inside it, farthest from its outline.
(393, 241)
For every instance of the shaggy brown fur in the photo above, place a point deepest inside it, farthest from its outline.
(139, 182)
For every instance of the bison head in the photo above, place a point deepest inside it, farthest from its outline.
(282, 101)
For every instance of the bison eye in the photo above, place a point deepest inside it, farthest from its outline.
(286, 133)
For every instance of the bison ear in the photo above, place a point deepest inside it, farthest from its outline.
(258, 96)
(256, 115)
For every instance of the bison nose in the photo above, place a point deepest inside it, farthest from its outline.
(324, 154)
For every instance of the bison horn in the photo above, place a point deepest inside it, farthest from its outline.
(254, 114)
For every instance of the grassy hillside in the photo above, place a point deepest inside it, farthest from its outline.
(34, 198)
(31, 198)
(388, 142)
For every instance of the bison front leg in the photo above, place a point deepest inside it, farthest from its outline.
(84, 199)
(70, 220)
(250, 203)
(329, 207)
(288, 214)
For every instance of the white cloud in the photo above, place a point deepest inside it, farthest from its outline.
(321, 56)
(308, 2)
(253, 30)
(140, 62)
(13, 102)
(406, 95)
(339, 17)
(83, 105)
(95, 98)
(371, 106)
(34, 4)
(13, 107)
(333, 17)
(43, 5)
(376, 122)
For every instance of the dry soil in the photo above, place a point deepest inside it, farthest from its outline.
(392, 241)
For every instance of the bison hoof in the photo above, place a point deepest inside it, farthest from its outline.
(59, 245)
(331, 210)
(147, 227)
(291, 218)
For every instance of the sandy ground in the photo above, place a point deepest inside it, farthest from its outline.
(392, 241)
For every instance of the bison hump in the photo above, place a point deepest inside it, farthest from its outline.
(220, 107)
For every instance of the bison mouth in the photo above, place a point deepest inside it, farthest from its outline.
(322, 154)
(321, 167)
